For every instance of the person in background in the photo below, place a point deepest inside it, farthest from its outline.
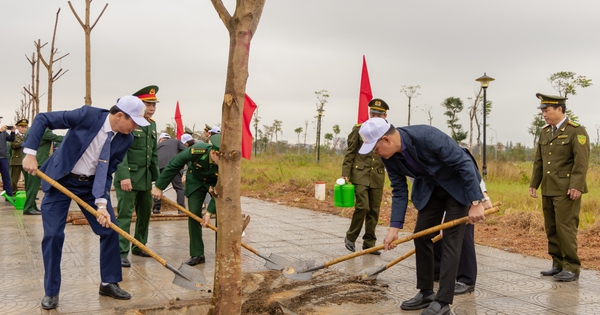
(134, 177)
(202, 160)
(167, 149)
(367, 174)
(16, 159)
(94, 134)
(6, 136)
(32, 183)
(444, 184)
(560, 166)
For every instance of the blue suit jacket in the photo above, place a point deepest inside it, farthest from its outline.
(444, 163)
(83, 124)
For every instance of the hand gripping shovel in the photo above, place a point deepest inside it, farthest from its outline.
(372, 272)
(296, 271)
(187, 277)
(274, 262)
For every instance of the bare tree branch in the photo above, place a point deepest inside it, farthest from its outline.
(99, 16)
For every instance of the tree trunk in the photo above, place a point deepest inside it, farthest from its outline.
(227, 295)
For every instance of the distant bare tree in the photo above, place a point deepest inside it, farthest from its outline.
(52, 77)
(305, 131)
(87, 30)
(33, 89)
(411, 92)
(428, 110)
(24, 108)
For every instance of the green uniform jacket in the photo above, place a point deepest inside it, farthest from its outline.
(202, 171)
(43, 151)
(561, 161)
(141, 162)
(362, 169)
(16, 146)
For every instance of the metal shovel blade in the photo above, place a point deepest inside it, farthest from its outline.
(277, 262)
(371, 272)
(298, 270)
(196, 282)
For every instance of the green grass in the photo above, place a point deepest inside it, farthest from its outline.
(507, 182)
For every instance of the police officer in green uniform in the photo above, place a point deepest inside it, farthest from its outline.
(367, 173)
(134, 177)
(16, 158)
(560, 166)
(202, 160)
(32, 183)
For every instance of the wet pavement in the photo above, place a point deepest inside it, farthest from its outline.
(507, 283)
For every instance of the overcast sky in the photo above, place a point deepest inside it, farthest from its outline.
(301, 47)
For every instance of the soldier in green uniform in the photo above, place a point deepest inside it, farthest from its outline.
(367, 173)
(202, 160)
(560, 166)
(32, 183)
(134, 177)
(16, 158)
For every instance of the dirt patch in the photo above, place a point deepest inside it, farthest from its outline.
(521, 233)
(270, 293)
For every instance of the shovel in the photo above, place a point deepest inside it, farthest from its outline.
(297, 272)
(372, 272)
(186, 277)
(273, 262)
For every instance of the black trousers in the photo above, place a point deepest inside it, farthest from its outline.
(467, 265)
(431, 215)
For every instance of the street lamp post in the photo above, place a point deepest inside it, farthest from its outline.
(485, 82)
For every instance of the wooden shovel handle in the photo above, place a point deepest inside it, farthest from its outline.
(95, 213)
(407, 238)
(199, 219)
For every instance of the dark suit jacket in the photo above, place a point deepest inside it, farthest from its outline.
(167, 150)
(444, 163)
(83, 124)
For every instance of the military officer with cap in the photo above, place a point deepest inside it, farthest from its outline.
(367, 173)
(134, 177)
(16, 159)
(202, 160)
(560, 167)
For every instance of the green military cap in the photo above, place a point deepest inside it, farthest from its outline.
(147, 94)
(378, 105)
(188, 131)
(549, 100)
(207, 127)
(23, 122)
(215, 140)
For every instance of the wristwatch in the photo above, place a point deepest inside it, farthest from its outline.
(476, 202)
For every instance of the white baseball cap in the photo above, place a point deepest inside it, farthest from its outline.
(135, 108)
(164, 135)
(186, 137)
(371, 131)
(215, 130)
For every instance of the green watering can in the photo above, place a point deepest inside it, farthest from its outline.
(17, 200)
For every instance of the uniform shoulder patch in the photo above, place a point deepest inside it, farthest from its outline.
(197, 151)
(582, 139)
(358, 125)
(574, 124)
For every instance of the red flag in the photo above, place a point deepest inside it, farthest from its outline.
(178, 122)
(365, 95)
(249, 107)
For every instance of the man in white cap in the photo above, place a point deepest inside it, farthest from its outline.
(446, 180)
(96, 142)
(167, 149)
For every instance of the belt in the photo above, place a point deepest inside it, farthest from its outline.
(82, 178)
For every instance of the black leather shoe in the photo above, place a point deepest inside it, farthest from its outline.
(418, 302)
(113, 290)
(125, 262)
(551, 272)
(156, 211)
(462, 288)
(32, 212)
(435, 308)
(195, 260)
(373, 253)
(50, 302)
(140, 253)
(349, 245)
(566, 276)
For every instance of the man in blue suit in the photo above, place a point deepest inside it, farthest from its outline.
(74, 166)
(445, 180)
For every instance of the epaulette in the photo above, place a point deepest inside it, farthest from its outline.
(546, 126)
(197, 151)
(152, 119)
(574, 124)
(358, 125)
